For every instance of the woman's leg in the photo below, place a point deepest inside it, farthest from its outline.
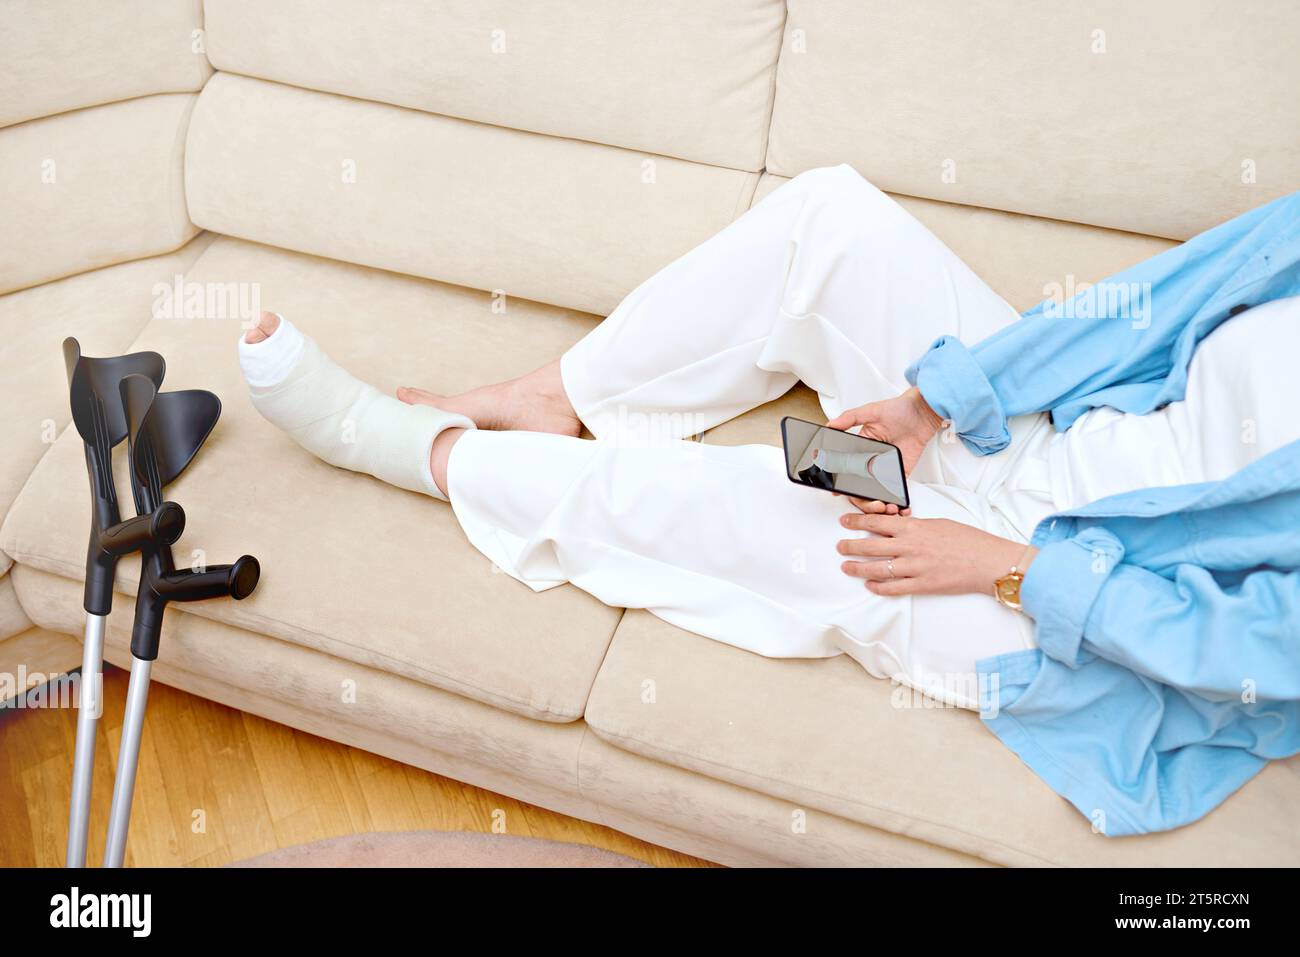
(826, 280)
(716, 540)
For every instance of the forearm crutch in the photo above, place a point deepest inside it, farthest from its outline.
(100, 418)
(165, 431)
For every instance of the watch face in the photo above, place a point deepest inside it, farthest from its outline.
(1008, 590)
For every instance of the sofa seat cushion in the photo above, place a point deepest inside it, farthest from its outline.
(826, 735)
(352, 567)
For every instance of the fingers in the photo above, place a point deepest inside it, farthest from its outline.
(862, 414)
(878, 580)
(873, 507)
(896, 586)
(878, 547)
(846, 420)
(880, 569)
(888, 525)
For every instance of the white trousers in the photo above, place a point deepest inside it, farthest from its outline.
(827, 281)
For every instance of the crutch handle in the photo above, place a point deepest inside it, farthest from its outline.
(108, 543)
(159, 588)
(163, 526)
(216, 581)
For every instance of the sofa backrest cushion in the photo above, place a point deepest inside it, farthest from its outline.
(1162, 117)
(555, 220)
(685, 78)
(92, 188)
(60, 55)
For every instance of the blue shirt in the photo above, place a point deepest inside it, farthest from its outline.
(1167, 619)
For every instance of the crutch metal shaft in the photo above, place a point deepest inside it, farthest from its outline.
(90, 706)
(128, 760)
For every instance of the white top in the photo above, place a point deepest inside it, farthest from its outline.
(1242, 402)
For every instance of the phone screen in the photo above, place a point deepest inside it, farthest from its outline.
(843, 462)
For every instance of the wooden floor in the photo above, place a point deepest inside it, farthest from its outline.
(217, 785)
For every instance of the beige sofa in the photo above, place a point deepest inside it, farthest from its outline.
(448, 193)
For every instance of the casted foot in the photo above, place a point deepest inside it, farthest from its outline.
(532, 403)
(338, 417)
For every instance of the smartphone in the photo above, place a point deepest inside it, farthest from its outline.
(843, 462)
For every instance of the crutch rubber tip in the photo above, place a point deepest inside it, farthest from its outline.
(244, 575)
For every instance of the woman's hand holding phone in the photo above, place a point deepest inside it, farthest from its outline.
(905, 420)
(914, 556)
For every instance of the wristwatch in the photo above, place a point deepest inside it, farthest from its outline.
(1007, 588)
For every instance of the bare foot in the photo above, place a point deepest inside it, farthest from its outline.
(267, 323)
(532, 403)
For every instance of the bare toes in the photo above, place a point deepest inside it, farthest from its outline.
(267, 323)
(418, 396)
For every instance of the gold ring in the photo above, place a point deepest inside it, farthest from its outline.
(889, 565)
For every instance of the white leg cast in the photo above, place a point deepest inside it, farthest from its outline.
(339, 418)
